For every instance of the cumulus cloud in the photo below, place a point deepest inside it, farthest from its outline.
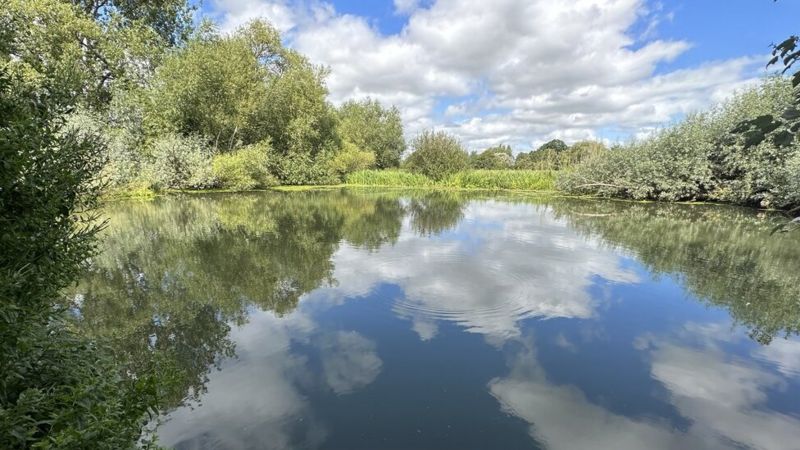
(518, 72)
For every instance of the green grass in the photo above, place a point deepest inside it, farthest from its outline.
(527, 180)
(389, 177)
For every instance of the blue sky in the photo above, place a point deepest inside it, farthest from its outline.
(524, 71)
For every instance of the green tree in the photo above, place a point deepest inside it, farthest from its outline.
(437, 155)
(371, 127)
(57, 389)
(499, 157)
(546, 157)
(89, 49)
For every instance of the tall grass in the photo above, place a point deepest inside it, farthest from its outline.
(390, 177)
(527, 180)
(533, 180)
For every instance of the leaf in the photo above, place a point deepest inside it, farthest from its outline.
(773, 60)
(783, 139)
(791, 114)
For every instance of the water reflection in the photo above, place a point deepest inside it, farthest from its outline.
(354, 319)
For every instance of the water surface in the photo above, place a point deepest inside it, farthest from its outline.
(366, 319)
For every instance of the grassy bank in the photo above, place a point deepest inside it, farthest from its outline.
(511, 180)
(523, 180)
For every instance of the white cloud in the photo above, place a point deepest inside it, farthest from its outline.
(405, 6)
(520, 71)
(232, 14)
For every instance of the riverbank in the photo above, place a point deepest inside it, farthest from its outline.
(506, 180)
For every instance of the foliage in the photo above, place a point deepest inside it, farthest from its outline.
(351, 159)
(554, 156)
(57, 390)
(697, 159)
(86, 49)
(778, 128)
(244, 169)
(437, 155)
(170, 19)
(303, 169)
(373, 128)
(557, 145)
(215, 87)
(499, 157)
(181, 163)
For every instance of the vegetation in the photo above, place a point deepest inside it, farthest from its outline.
(555, 155)
(371, 128)
(437, 155)
(698, 159)
(530, 180)
(244, 169)
(499, 157)
(57, 388)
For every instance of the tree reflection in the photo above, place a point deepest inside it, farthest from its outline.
(175, 273)
(436, 212)
(722, 255)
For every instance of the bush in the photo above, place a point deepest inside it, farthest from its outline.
(303, 169)
(57, 389)
(244, 169)
(499, 157)
(351, 159)
(437, 155)
(698, 159)
(179, 162)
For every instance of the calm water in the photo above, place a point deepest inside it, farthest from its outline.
(367, 320)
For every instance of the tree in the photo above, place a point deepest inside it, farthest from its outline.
(373, 128)
(499, 157)
(170, 19)
(437, 155)
(216, 87)
(546, 157)
(58, 390)
(87, 47)
(556, 144)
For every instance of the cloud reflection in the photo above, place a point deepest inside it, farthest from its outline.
(502, 264)
(723, 398)
(259, 400)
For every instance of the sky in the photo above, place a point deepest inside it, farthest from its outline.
(522, 72)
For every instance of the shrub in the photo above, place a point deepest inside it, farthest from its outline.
(58, 390)
(244, 169)
(698, 159)
(351, 159)
(436, 155)
(493, 158)
(181, 163)
(302, 169)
